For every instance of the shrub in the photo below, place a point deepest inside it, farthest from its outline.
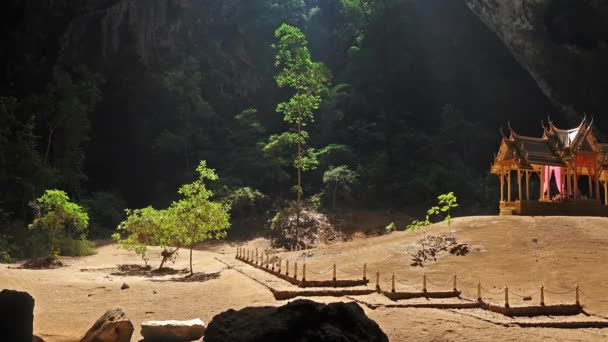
(5, 249)
(390, 228)
(75, 247)
(56, 215)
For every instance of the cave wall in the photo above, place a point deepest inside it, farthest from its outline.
(562, 43)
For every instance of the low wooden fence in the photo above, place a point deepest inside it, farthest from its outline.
(274, 266)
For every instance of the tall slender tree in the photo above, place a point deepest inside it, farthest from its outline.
(306, 78)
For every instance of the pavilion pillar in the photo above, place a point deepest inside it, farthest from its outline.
(590, 186)
(569, 181)
(509, 185)
(527, 185)
(542, 182)
(563, 190)
(519, 194)
(575, 180)
(502, 185)
(597, 182)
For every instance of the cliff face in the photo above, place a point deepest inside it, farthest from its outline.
(103, 29)
(562, 43)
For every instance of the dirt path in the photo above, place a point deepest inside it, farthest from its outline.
(69, 300)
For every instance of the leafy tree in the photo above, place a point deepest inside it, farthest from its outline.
(306, 78)
(197, 216)
(339, 177)
(55, 212)
(146, 227)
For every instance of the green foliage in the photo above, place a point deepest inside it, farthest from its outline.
(144, 227)
(244, 201)
(192, 219)
(306, 78)
(198, 217)
(336, 178)
(390, 228)
(445, 204)
(55, 214)
(5, 249)
(69, 246)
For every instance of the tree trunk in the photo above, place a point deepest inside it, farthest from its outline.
(299, 190)
(166, 255)
(48, 145)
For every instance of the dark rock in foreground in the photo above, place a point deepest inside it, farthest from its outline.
(300, 320)
(112, 326)
(16, 316)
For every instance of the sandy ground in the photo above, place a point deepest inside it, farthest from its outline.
(566, 251)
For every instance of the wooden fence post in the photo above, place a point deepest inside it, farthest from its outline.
(287, 267)
(378, 282)
(577, 297)
(454, 288)
(304, 273)
(424, 282)
(393, 284)
(334, 278)
(506, 296)
(237, 252)
(256, 256)
(542, 295)
(267, 259)
(364, 272)
(280, 262)
(295, 271)
(479, 291)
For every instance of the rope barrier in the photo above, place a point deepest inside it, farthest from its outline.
(522, 296)
(349, 273)
(559, 293)
(315, 272)
(591, 298)
(444, 284)
(408, 284)
(493, 293)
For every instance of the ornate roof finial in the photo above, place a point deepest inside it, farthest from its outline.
(502, 132)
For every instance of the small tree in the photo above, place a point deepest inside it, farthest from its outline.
(336, 177)
(307, 79)
(148, 226)
(54, 212)
(197, 217)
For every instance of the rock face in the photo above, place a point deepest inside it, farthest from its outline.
(172, 330)
(16, 316)
(562, 43)
(112, 326)
(301, 320)
(105, 28)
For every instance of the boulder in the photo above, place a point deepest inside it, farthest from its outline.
(16, 316)
(112, 326)
(172, 330)
(300, 320)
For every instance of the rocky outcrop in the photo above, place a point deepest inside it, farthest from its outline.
(301, 320)
(102, 29)
(172, 330)
(112, 326)
(562, 43)
(16, 316)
